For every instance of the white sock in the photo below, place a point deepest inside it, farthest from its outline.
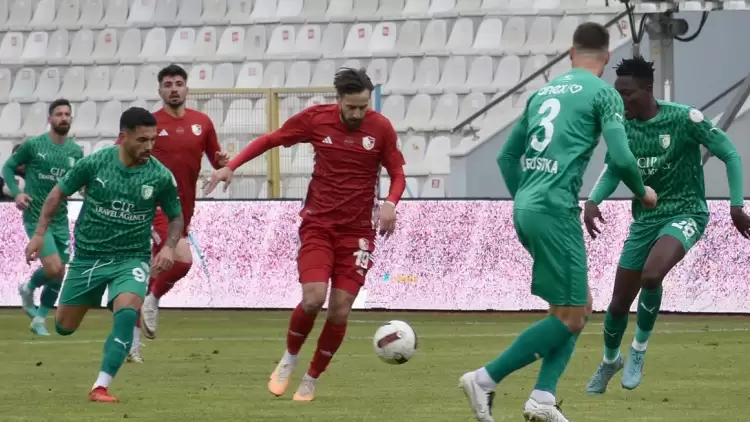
(103, 380)
(136, 336)
(640, 347)
(543, 397)
(484, 380)
(289, 358)
(308, 378)
(611, 361)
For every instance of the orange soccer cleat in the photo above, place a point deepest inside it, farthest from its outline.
(279, 379)
(101, 395)
(306, 390)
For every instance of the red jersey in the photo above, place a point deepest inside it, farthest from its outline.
(347, 163)
(180, 145)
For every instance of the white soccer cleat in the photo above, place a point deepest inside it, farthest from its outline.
(134, 356)
(150, 316)
(537, 412)
(479, 399)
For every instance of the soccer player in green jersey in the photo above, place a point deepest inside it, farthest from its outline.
(46, 158)
(557, 135)
(124, 186)
(665, 138)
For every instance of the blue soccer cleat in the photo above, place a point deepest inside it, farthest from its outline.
(604, 373)
(37, 327)
(633, 373)
(27, 300)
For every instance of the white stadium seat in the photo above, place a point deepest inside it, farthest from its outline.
(82, 48)
(68, 14)
(48, 85)
(142, 12)
(35, 50)
(123, 84)
(462, 37)
(19, 15)
(98, 84)
(401, 78)
(201, 76)
(34, 120)
(250, 76)
(84, 121)
(6, 82)
(24, 86)
(11, 48)
(189, 12)
(223, 76)
(91, 13)
(10, 121)
(214, 12)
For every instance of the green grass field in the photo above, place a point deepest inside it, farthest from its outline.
(214, 365)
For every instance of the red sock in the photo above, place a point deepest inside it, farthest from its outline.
(163, 282)
(300, 325)
(328, 343)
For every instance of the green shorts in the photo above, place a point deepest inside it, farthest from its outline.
(56, 240)
(686, 228)
(87, 279)
(559, 252)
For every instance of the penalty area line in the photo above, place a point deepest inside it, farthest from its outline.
(425, 336)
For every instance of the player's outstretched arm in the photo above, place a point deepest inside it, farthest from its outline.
(393, 161)
(509, 159)
(605, 186)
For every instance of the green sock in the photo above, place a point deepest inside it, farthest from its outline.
(117, 346)
(649, 302)
(534, 343)
(38, 279)
(614, 329)
(47, 301)
(554, 365)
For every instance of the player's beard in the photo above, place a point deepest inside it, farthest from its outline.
(174, 103)
(352, 124)
(61, 130)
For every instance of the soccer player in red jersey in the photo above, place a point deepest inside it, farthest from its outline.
(183, 136)
(337, 233)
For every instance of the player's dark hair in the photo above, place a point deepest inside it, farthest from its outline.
(135, 117)
(352, 81)
(638, 68)
(172, 70)
(591, 36)
(57, 103)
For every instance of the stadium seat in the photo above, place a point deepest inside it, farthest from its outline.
(364, 9)
(333, 40)
(462, 37)
(235, 120)
(416, 7)
(189, 13)
(390, 9)
(105, 50)
(223, 76)
(182, 46)
(250, 76)
(109, 119)
(11, 48)
(48, 85)
(57, 48)
(470, 104)
(419, 112)
(84, 121)
(35, 50)
(130, 47)
(312, 11)
(123, 84)
(6, 150)
(299, 75)
(383, 40)
(205, 43)
(453, 78)
(467, 6)
(147, 86)
(340, 10)
(428, 74)
(514, 36)
(274, 75)
(138, 103)
(19, 15)
(282, 41)
(357, 42)
(497, 116)
(480, 74)
(533, 64)
(394, 108)
(24, 86)
(401, 80)
(438, 7)
(563, 35)
(154, 47)
(35, 120)
(97, 87)
(214, 12)
(85, 146)
(68, 14)
(6, 82)
(436, 159)
(444, 116)
(255, 41)
(413, 150)
(201, 76)
(409, 38)
(4, 10)
(489, 38)
(231, 47)
(264, 11)
(378, 71)
(287, 9)
(308, 42)
(435, 37)
(540, 35)
(116, 14)
(10, 121)
(142, 13)
(434, 187)
(323, 74)
(81, 48)
(238, 11)
(92, 12)
(412, 188)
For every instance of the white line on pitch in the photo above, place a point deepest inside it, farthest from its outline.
(428, 336)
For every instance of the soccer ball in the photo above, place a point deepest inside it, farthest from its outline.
(395, 342)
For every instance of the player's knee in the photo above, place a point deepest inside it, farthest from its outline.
(65, 326)
(312, 304)
(54, 270)
(651, 278)
(618, 307)
(338, 314)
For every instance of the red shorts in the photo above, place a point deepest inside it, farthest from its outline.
(160, 230)
(341, 255)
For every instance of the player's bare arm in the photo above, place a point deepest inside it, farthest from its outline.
(49, 209)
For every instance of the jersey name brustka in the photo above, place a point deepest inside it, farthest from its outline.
(46, 163)
(564, 122)
(119, 205)
(667, 150)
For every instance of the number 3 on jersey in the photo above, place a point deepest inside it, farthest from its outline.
(552, 109)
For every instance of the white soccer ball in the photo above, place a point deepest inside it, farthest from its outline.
(395, 342)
